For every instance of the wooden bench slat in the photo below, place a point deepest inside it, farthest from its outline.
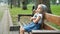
(45, 32)
(20, 24)
(49, 27)
(53, 18)
(24, 23)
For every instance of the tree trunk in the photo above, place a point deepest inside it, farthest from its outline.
(15, 3)
(8, 2)
(59, 1)
(54, 2)
(24, 7)
(18, 3)
(11, 4)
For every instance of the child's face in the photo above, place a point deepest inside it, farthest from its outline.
(39, 8)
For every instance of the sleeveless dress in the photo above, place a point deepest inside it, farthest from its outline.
(32, 25)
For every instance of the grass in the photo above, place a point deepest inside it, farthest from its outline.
(15, 11)
(1, 13)
(55, 9)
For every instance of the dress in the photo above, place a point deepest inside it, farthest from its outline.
(32, 25)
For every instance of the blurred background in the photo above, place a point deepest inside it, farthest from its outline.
(14, 7)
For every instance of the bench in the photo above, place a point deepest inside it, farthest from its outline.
(47, 28)
(49, 17)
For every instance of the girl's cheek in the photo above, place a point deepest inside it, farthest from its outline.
(39, 10)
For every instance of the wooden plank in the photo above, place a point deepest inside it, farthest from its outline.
(53, 18)
(48, 27)
(45, 32)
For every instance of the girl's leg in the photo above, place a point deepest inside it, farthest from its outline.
(22, 30)
(27, 28)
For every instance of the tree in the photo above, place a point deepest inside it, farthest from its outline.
(59, 1)
(15, 3)
(8, 2)
(24, 3)
(53, 1)
(11, 3)
(18, 3)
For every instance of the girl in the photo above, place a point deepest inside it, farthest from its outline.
(36, 20)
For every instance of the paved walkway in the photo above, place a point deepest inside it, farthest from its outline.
(4, 25)
(6, 21)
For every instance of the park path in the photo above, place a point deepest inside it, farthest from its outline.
(6, 21)
(4, 25)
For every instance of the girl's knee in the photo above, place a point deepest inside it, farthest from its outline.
(22, 30)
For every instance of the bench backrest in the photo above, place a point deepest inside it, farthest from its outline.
(52, 18)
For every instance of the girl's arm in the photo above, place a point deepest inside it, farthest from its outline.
(37, 19)
(32, 18)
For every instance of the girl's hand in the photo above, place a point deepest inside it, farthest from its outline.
(32, 18)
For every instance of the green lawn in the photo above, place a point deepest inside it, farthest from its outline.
(55, 9)
(15, 11)
(1, 14)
